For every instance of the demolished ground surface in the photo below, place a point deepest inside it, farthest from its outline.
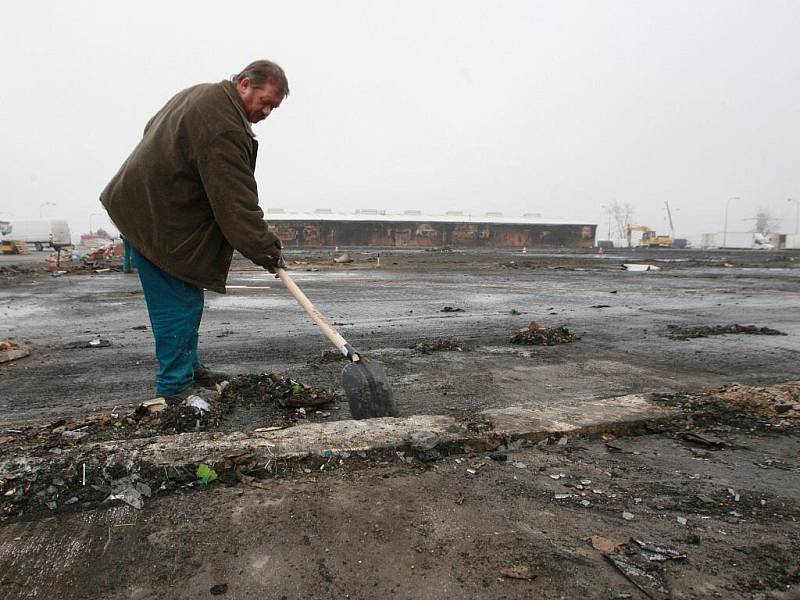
(463, 493)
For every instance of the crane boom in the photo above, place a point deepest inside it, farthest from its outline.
(669, 216)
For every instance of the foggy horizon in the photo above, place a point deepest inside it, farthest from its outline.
(519, 107)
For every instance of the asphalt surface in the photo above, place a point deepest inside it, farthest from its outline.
(622, 318)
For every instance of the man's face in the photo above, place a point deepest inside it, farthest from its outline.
(258, 101)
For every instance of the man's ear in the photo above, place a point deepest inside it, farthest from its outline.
(244, 85)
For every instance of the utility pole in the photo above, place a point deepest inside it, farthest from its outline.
(725, 231)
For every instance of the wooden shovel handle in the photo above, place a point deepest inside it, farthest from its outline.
(318, 318)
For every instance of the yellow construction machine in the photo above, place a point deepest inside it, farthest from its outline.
(649, 236)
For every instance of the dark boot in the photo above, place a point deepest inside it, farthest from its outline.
(205, 377)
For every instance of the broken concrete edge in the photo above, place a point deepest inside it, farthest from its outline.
(486, 431)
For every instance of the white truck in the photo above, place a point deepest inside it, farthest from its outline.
(52, 233)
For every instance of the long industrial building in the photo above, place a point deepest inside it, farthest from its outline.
(372, 227)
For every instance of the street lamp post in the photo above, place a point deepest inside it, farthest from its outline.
(797, 214)
(725, 231)
(42, 205)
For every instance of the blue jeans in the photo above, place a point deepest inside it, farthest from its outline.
(175, 308)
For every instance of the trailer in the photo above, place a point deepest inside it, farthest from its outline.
(42, 234)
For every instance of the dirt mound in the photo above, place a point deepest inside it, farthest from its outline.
(426, 347)
(537, 335)
(270, 400)
(685, 332)
(274, 388)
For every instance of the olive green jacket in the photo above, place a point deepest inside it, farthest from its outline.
(187, 196)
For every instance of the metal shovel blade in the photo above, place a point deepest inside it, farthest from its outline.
(368, 392)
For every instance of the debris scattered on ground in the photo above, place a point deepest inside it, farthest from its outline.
(517, 572)
(426, 347)
(287, 392)
(11, 349)
(451, 309)
(219, 589)
(646, 576)
(639, 267)
(685, 332)
(423, 440)
(778, 405)
(656, 550)
(343, 258)
(535, 334)
(704, 440)
(605, 545)
(205, 474)
(272, 400)
(92, 343)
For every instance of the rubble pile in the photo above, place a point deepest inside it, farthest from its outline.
(426, 347)
(14, 270)
(94, 478)
(685, 332)
(535, 334)
(778, 404)
(273, 388)
(11, 349)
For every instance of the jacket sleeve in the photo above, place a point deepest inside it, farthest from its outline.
(224, 167)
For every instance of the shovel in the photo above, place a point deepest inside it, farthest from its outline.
(364, 380)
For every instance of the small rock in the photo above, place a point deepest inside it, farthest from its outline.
(682, 520)
(563, 441)
(627, 516)
(519, 465)
(51, 505)
(423, 440)
(586, 503)
(498, 456)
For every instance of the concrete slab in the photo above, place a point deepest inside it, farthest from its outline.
(532, 422)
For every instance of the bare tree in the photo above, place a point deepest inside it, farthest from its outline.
(765, 221)
(619, 216)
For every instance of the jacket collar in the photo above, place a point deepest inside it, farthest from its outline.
(233, 96)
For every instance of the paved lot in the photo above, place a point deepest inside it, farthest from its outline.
(622, 318)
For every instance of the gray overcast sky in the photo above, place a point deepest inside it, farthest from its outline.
(532, 106)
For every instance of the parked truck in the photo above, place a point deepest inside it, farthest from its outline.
(42, 234)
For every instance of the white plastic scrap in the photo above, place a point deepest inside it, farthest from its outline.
(130, 496)
(198, 403)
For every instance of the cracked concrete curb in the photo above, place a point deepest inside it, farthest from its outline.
(533, 422)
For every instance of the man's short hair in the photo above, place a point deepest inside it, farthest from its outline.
(261, 72)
